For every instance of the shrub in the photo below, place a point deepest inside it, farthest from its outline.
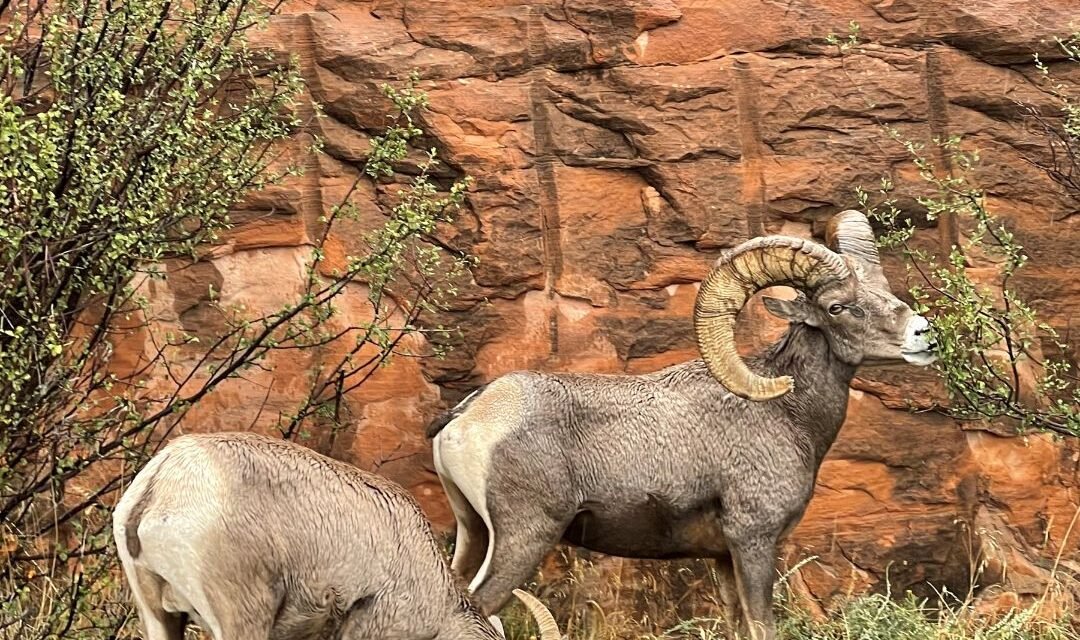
(997, 359)
(990, 342)
(128, 131)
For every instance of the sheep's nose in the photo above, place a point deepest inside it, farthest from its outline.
(919, 325)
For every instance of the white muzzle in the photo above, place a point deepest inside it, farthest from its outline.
(917, 348)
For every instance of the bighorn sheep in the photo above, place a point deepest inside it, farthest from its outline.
(672, 464)
(256, 538)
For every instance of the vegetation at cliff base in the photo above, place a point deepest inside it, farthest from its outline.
(878, 616)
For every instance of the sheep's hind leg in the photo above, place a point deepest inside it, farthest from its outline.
(517, 544)
(471, 539)
(244, 611)
(245, 630)
(237, 625)
(158, 623)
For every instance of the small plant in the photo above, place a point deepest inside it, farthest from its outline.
(1061, 133)
(847, 42)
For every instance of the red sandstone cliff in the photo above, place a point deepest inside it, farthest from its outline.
(617, 145)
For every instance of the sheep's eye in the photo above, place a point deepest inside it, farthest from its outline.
(835, 309)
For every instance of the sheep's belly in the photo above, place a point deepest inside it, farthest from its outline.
(645, 534)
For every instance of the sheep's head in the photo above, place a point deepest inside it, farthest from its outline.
(843, 292)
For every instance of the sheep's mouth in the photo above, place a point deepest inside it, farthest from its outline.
(920, 358)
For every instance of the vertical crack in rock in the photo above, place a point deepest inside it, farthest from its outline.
(752, 176)
(938, 118)
(311, 208)
(312, 205)
(548, 197)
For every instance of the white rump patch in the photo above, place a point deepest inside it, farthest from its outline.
(462, 451)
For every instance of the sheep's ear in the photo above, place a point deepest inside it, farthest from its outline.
(798, 310)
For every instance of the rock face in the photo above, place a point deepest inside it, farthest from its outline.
(617, 147)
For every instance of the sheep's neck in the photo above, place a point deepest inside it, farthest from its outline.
(819, 400)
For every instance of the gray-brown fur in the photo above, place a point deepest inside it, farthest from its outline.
(671, 464)
(284, 544)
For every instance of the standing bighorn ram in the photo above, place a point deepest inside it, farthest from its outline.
(672, 464)
(262, 539)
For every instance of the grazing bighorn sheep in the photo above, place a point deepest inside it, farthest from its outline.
(672, 464)
(256, 538)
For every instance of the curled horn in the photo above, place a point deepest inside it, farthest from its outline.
(549, 629)
(737, 275)
(849, 233)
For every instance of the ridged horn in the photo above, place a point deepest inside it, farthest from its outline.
(549, 629)
(739, 274)
(849, 233)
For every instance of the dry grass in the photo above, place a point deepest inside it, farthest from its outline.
(600, 598)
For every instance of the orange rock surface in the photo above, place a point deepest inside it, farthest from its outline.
(617, 146)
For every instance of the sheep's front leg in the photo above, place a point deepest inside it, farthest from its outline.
(729, 593)
(755, 566)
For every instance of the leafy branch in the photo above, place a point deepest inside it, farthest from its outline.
(990, 342)
(129, 131)
(997, 359)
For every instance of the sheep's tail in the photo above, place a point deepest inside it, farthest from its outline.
(447, 417)
(141, 492)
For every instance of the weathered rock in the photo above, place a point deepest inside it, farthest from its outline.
(617, 147)
(907, 478)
